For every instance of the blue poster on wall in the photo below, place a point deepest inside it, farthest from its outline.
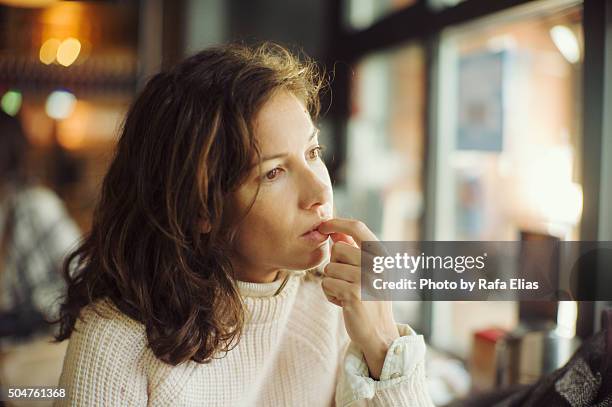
(480, 97)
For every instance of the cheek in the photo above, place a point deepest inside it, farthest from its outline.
(266, 227)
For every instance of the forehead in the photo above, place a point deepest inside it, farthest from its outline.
(282, 121)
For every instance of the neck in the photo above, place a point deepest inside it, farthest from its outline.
(260, 277)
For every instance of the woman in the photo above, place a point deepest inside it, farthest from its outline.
(188, 290)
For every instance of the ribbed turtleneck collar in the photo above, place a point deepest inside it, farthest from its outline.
(261, 303)
(248, 289)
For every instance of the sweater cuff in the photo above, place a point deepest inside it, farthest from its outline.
(404, 359)
(410, 392)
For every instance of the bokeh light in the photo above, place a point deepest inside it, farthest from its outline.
(48, 51)
(68, 51)
(60, 104)
(567, 43)
(11, 102)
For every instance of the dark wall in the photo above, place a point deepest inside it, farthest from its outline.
(295, 23)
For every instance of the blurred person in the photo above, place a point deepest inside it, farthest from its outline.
(64, 169)
(214, 273)
(36, 234)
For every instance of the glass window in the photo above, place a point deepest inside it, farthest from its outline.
(385, 148)
(509, 143)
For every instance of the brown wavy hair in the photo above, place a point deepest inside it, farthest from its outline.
(186, 144)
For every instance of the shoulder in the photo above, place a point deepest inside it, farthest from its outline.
(103, 318)
(104, 336)
(44, 208)
(106, 360)
(41, 199)
(46, 212)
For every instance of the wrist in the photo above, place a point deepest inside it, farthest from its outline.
(380, 340)
(375, 352)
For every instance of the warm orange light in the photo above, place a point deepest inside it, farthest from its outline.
(90, 123)
(72, 136)
(63, 19)
(68, 51)
(71, 131)
(27, 3)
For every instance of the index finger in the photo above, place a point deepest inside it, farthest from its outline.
(354, 228)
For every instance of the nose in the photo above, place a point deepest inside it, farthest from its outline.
(315, 190)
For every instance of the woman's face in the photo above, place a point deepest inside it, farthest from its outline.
(295, 195)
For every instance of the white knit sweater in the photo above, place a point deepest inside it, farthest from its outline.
(294, 351)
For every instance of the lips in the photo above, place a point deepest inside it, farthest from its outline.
(313, 235)
(313, 228)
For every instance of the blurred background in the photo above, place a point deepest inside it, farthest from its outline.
(446, 120)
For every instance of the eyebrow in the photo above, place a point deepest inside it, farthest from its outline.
(279, 155)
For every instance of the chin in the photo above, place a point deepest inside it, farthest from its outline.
(315, 257)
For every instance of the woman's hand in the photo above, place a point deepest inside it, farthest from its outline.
(370, 324)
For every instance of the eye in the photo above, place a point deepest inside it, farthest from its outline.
(273, 174)
(316, 152)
